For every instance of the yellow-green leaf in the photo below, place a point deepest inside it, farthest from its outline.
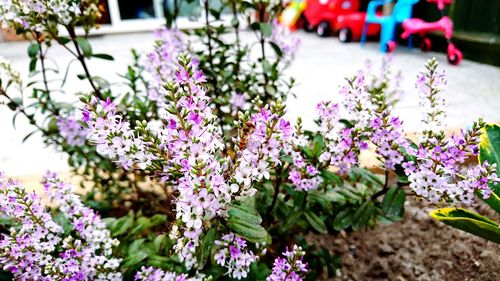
(469, 222)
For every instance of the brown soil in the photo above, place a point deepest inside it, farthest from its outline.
(417, 248)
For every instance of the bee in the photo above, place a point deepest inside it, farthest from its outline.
(248, 129)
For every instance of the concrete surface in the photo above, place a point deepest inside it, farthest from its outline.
(320, 66)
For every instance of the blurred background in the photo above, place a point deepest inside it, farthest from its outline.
(320, 65)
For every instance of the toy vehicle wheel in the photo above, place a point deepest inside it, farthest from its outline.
(323, 29)
(345, 35)
(454, 57)
(426, 44)
(390, 46)
(306, 25)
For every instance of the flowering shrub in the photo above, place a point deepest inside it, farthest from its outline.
(198, 171)
(75, 245)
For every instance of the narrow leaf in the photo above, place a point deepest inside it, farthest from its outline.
(393, 203)
(33, 50)
(469, 222)
(316, 222)
(85, 46)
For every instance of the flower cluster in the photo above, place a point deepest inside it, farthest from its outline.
(113, 136)
(344, 143)
(37, 248)
(161, 62)
(238, 102)
(155, 274)
(437, 172)
(385, 79)
(260, 143)
(9, 74)
(72, 131)
(186, 151)
(288, 44)
(234, 255)
(386, 129)
(290, 267)
(429, 84)
(303, 175)
(40, 16)
(389, 139)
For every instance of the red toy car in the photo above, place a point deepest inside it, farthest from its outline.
(350, 27)
(322, 14)
(327, 16)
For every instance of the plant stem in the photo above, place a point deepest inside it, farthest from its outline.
(262, 41)
(304, 203)
(238, 44)
(81, 58)
(44, 70)
(209, 33)
(384, 189)
(54, 109)
(30, 118)
(277, 185)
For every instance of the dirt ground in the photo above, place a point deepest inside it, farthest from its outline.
(418, 248)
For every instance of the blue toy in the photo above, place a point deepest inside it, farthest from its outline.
(402, 11)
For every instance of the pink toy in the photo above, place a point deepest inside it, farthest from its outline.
(420, 27)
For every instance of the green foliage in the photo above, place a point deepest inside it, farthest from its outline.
(489, 150)
(245, 221)
(469, 222)
(393, 204)
(142, 242)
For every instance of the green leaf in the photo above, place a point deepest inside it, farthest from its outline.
(158, 219)
(489, 150)
(331, 177)
(204, 249)
(244, 213)
(103, 56)
(343, 219)
(318, 145)
(121, 225)
(251, 232)
(85, 46)
(367, 176)
(316, 222)
(134, 259)
(393, 203)
(33, 50)
(135, 246)
(159, 241)
(276, 49)
(32, 66)
(141, 224)
(469, 222)
(362, 215)
(14, 103)
(266, 29)
(291, 219)
(158, 261)
(235, 22)
(28, 136)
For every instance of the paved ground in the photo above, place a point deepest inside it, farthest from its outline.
(321, 64)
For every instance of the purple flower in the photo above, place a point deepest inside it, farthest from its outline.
(153, 274)
(234, 256)
(37, 246)
(72, 131)
(291, 267)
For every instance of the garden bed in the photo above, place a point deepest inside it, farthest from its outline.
(418, 248)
